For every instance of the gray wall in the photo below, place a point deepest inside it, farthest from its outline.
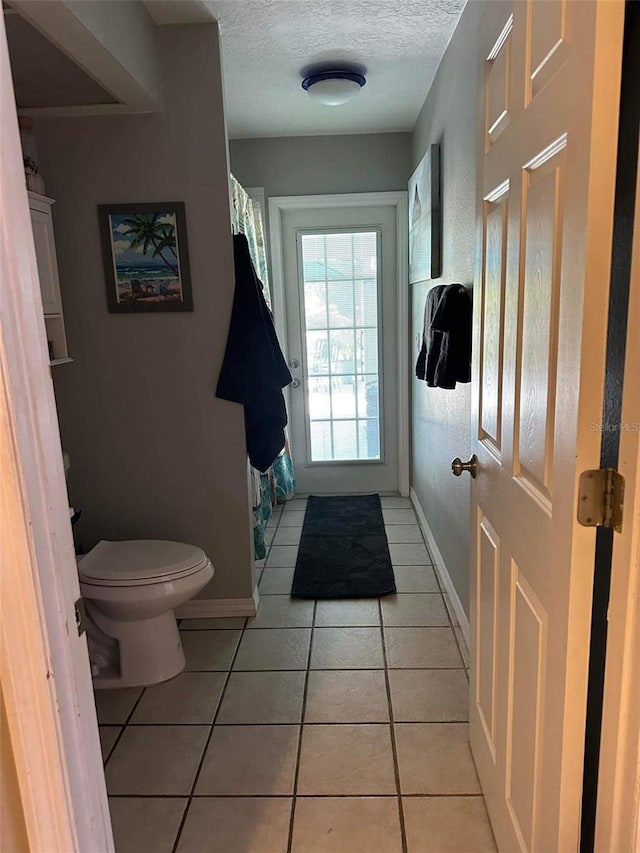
(310, 165)
(441, 419)
(153, 452)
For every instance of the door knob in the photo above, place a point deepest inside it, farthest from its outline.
(295, 383)
(458, 466)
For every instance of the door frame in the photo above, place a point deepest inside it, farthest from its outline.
(278, 205)
(49, 709)
(617, 803)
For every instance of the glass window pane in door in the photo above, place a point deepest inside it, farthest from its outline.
(315, 304)
(340, 290)
(342, 352)
(366, 302)
(343, 396)
(317, 353)
(319, 398)
(321, 446)
(365, 260)
(367, 350)
(369, 439)
(339, 256)
(340, 304)
(368, 396)
(345, 440)
(314, 258)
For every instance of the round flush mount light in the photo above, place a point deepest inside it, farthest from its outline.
(334, 87)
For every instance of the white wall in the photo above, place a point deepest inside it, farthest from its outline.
(441, 427)
(153, 452)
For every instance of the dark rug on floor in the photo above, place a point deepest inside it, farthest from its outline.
(343, 550)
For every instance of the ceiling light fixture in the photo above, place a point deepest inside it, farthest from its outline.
(334, 87)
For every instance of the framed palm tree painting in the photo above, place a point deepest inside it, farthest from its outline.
(146, 258)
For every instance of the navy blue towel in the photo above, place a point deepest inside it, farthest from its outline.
(254, 370)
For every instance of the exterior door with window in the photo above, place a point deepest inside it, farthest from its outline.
(546, 170)
(340, 293)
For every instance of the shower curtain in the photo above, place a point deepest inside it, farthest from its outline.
(278, 483)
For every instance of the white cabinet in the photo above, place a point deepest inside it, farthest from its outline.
(42, 225)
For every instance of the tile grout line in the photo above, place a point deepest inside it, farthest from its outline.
(275, 725)
(206, 745)
(302, 724)
(267, 552)
(122, 730)
(299, 796)
(303, 668)
(113, 745)
(394, 746)
(443, 593)
(455, 633)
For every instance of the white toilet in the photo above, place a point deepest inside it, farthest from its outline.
(131, 589)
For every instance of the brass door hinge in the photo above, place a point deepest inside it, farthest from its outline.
(601, 498)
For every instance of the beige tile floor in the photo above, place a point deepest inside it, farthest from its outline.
(315, 727)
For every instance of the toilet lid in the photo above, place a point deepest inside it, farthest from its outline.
(140, 560)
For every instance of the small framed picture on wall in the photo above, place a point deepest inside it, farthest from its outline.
(425, 219)
(146, 257)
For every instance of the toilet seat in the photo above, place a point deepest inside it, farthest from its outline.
(139, 562)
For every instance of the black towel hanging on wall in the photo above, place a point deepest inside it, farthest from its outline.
(254, 370)
(445, 355)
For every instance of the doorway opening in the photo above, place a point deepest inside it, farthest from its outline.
(340, 299)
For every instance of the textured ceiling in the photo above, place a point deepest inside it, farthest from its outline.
(268, 43)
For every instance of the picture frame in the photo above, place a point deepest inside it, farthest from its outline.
(146, 257)
(425, 218)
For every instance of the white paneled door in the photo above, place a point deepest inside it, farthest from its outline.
(340, 292)
(549, 99)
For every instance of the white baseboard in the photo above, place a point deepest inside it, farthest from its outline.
(441, 570)
(219, 608)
